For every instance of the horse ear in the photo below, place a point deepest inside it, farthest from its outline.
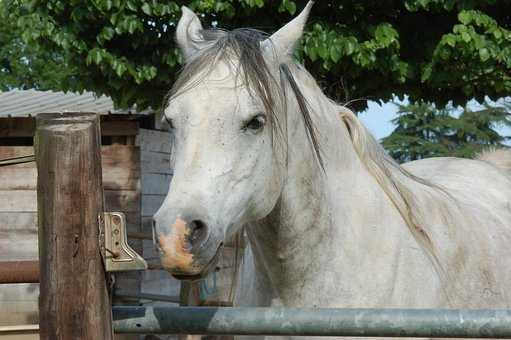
(188, 32)
(283, 41)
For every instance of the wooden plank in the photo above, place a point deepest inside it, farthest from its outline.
(18, 245)
(160, 282)
(154, 140)
(120, 156)
(18, 237)
(74, 301)
(122, 200)
(18, 306)
(151, 204)
(119, 128)
(25, 127)
(15, 178)
(155, 184)
(121, 179)
(123, 156)
(18, 221)
(155, 162)
(146, 224)
(120, 164)
(26, 200)
(17, 151)
(26, 178)
(17, 127)
(18, 201)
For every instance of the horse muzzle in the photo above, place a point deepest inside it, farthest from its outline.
(188, 251)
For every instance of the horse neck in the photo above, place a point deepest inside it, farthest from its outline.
(318, 214)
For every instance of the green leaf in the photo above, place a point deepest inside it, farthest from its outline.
(119, 67)
(323, 51)
(107, 33)
(95, 56)
(497, 34)
(132, 25)
(146, 8)
(108, 4)
(350, 47)
(291, 7)
(466, 37)
(385, 34)
(426, 73)
(450, 39)
(131, 5)
(335, 52)
(465, 17)
(152, 71)
(484, 54)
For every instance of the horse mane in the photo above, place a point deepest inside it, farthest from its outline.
(396, 182)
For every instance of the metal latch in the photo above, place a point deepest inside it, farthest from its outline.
(119, 256)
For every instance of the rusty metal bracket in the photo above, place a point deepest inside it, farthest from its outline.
(119, 256)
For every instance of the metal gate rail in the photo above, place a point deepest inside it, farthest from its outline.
(427, 323)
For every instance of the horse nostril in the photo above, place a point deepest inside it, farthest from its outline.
(198, 232)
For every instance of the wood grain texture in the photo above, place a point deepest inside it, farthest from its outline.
(19, 304)
(155, 162)
(120, 163)
(154, 140)
(155, 184)
(18, 245)
(151, 204)
(18, 221)
(74, 301)
(17, 151)
(25, 127)
(18, 201)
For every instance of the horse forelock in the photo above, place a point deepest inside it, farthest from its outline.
(241, 50)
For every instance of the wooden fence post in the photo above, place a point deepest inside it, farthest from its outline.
(74, 302)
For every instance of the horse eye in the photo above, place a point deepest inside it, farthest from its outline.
(255, 123)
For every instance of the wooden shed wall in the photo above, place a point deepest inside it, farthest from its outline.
(18, 219)
(156, 174)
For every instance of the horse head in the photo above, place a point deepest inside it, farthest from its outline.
(227, 116)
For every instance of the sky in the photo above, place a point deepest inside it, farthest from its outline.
(377, 118)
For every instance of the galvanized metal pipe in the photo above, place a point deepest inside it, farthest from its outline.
(145, 296)
(19, 272)
(18, 330)
(427, 323)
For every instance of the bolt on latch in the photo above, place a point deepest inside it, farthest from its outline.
(119, 256)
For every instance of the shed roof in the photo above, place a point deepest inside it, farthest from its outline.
(28, 103)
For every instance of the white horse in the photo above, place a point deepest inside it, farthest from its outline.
(332, 220)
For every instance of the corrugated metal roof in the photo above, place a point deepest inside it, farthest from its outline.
(27, 103)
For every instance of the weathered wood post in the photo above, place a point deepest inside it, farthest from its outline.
(74, 301)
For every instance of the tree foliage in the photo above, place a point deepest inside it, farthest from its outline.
(423, 130)
(437, 50)
(25, 66)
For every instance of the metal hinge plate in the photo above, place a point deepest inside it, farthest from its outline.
(119, 256)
